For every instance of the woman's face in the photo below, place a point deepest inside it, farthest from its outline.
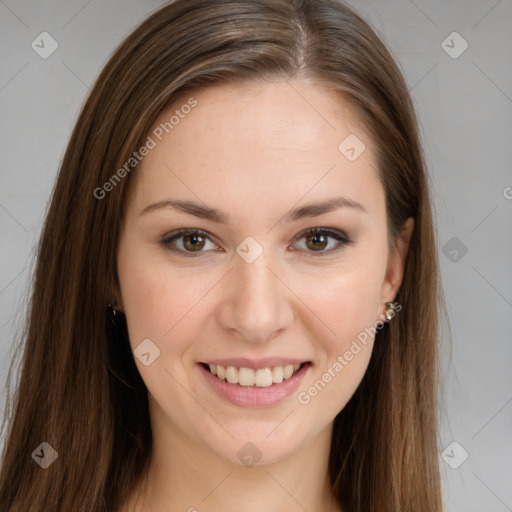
(255, 290)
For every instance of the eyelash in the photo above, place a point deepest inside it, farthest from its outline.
(342, 239)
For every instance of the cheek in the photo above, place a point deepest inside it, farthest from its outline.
(346, 306)
(345, 302)
(154, 298)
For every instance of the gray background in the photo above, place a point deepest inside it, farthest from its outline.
(465, 110)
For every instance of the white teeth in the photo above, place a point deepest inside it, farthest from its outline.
(288, 371)
(262, 377)
(277, 374)
(246, 377)
(232, 375)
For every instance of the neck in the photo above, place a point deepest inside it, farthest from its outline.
(184, 476)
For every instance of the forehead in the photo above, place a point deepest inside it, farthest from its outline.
(280, 137)
(294, 114)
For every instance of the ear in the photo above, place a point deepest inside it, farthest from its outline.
(396, 264)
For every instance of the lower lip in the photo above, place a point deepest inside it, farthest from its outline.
(253, 396)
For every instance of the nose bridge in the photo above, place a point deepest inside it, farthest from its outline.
(258, 304)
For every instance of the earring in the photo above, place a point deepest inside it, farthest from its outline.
(390, 310)
(111, 308)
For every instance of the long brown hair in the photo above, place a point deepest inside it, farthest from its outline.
(79, 389)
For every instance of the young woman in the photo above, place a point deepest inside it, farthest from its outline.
(236, 299)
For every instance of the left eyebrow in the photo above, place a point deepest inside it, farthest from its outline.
(315, 209)
(208, 213)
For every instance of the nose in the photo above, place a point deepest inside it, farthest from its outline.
(255, 304)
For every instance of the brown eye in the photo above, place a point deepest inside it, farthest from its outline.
(189, 242)
(317, 239)
(193, 242)
(317, 242)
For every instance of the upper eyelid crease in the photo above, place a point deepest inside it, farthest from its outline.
(341, 238)
(205, 212)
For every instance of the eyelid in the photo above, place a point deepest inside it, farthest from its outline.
(166, 240)
(330, 231)
(339, 235)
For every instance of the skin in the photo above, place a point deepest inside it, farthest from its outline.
(253, 153)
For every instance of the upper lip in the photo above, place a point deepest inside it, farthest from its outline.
(266, 362)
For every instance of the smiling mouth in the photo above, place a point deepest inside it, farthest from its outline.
(250, 377)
